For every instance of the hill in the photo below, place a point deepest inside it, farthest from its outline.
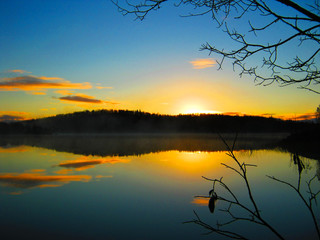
(125, 121)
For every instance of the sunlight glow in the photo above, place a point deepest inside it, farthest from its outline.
(196, 105)
(197, 110)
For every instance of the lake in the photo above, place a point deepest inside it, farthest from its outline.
(144, 187)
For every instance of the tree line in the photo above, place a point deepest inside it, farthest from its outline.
(126, 121)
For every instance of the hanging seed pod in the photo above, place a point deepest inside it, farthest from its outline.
(212, 202)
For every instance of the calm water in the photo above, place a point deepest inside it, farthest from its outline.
(130, 188)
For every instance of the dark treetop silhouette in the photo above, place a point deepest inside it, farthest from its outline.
(124, 121)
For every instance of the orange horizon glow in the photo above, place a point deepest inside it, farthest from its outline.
(174, 96)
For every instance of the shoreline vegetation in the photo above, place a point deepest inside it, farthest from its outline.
(141, 132)
(128, 122)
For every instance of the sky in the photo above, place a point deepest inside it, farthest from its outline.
(64, 56)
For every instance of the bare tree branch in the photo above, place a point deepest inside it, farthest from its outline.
(301, 24)
(253, 212)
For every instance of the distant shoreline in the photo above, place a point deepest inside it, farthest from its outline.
(136, 144)
(228, 135)
(124, 122)
(125, 144)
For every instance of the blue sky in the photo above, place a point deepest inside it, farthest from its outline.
(141, 65)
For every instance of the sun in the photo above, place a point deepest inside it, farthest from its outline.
(195, 109)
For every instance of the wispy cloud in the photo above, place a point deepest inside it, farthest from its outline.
(37, 93)
(267, 114)
(64, 92)
(99, 87)
(14, 112)
(203, 63)
(34, 83)
(233, 113)
(102, 176)
(18, 71)
(82, 98)
(299, 117)
(295, 117)
(37, 170)
(84, 162)
(11, 116)
(64, 171)
(50, 78)
(306, 116)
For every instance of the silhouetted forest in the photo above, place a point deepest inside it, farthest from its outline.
(125, 121)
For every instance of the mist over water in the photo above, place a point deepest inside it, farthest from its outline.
(135, 144)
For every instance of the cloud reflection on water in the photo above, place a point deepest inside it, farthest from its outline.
(84, 162)
(39, 180)
(14, 149)
(201, 201)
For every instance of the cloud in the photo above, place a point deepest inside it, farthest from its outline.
(38, 180)
(233, 113)
(299, 117)
(37, 170)
(50, 78)
(267, 114)
(12, 116)
(203, 63)
(306, 116)
(14, 113)
(34, 83)
(64, 92)
(101, 176)
(18, 71)
(64, 171)
(38, 93)
(83, 163)
(82, 98)
(99, 87)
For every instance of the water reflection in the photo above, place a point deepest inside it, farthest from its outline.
(85, 162)
(247, 211)
(127, 145)
(13, 149)
(38, 180)
(154, 190)
(201, 201)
